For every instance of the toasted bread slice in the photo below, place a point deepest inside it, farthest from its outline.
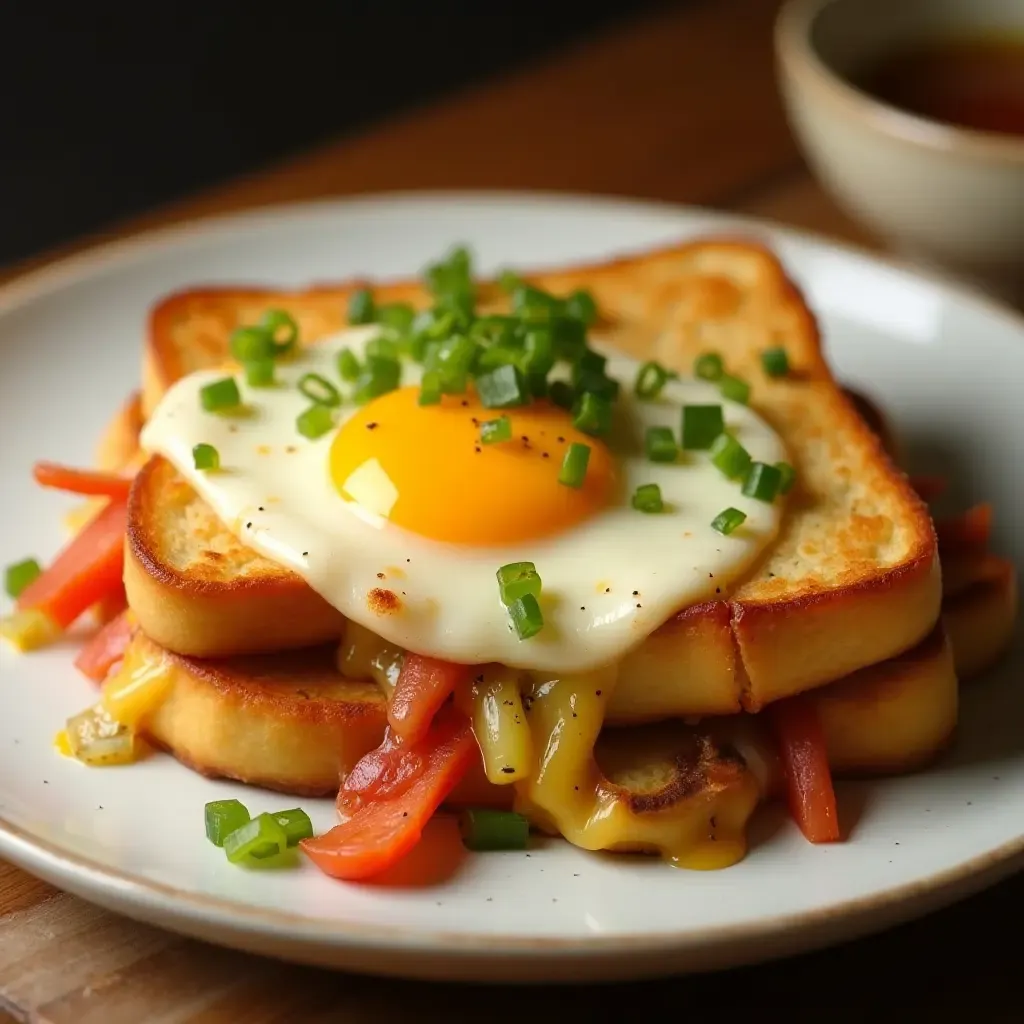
(291, 722)
(852, 580)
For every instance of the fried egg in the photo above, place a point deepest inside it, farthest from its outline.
(400, 516)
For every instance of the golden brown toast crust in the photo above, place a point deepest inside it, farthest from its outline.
(853, 578)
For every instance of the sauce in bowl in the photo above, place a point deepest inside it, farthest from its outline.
(975, 83)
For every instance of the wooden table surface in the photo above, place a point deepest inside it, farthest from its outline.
(679, 107)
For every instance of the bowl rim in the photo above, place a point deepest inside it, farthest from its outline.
(800, 60)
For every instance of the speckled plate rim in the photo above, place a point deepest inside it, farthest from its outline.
(449, 955)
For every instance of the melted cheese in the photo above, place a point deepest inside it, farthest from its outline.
(545, 729)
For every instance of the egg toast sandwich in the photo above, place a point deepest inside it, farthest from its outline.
(738, 593)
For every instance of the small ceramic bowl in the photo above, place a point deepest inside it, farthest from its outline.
(941, 194)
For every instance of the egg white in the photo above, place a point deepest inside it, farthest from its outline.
(607, 582)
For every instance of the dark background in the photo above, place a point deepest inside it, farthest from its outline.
(110, 109)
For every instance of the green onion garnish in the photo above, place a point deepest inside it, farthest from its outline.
(660, 444)
(709, 366)
(509, 281)
(538, 351)
(592, 414)
(18, 576)
(733, 388)
(348, 365)
(728, 520)
(516, 580)
(385, 348)
(315, 421)
(561, 394)
(574, 465)
(361, 307)
(224, 817)
(252, 345)
(701, 425)
(430, 388)
(283, 330)
(377, 377)
(775, 362)
(762, 482)
(730, 456)
(651, 379)
(502, 388)
(259, 838)
(296, 825)
(569, 337)
(787, 477)
(647, 498)
(526, 616)
(205, 457)
(497, 355)
(396, 315)
(485, 829)
(260, 373)
(496, 431)
(220, 396)
(318, 389)
(581, 306)
(535, 304)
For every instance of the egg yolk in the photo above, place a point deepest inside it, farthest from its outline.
(426, 470)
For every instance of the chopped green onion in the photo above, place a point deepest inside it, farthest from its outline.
(581, 306)
(709, 366)
(538, 351)
(454, 360)
(516, 580)
(205, 457)
(534, 304)
(485, 829)
(775, 362)
(574, 465)
(762, 482)
(224, 817)
(315, 421)
(318, 389)
(220, 396)
(377, 377)
(561, 394)
(259, 838)
(496, 329)
(348, 365)
(396, 315)
(647, 498)
(590, 361)
(430, 388)
(19, 575)
(537, 385)
(651, 379)
(787, 477)
(526, 616)
(730, 456)
(296, 825)
(451, 283)
(733, 388)
(496, 431)
(701, 425)
(260, 373)
(660, 444)
(592, 415)
(252, 345)
(384, 348)
(509, 280)
(283, 330)
(586, 378)
(495, 356)
(361, 307)
(502, 388)
(569, 337)
(728, 520)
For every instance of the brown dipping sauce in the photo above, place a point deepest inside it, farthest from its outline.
(971, 83)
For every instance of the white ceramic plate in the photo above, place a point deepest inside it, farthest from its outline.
(948, 367)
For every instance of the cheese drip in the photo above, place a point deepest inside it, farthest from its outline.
(673, 790)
